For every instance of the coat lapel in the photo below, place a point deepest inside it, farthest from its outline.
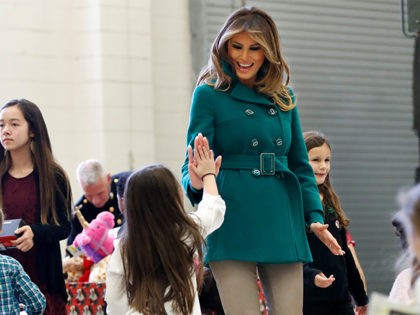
(244, 93)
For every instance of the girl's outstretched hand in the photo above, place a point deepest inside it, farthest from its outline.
(321, 281)
(205, 162)
(205, 167)
(203, 143)
(321, 231)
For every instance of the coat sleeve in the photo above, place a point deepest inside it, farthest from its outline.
(50, 233)
(299, 165)
(201, 120)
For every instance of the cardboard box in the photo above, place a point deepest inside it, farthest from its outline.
(8, 233)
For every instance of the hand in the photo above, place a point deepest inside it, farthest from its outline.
(195, 179)
(321, 281)
(321, 231)
(205, 161)
(200, 140)
(26, 241)
(360, 310)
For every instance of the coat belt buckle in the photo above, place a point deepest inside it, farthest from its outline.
(267, 163)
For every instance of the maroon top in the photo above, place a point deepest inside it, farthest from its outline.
(20, 200)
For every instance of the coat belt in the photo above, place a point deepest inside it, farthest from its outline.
(263, 164)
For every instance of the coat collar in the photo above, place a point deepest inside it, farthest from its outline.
(242, 92)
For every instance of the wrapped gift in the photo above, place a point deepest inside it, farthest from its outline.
(85, 298)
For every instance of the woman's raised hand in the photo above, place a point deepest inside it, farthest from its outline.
(321, 231)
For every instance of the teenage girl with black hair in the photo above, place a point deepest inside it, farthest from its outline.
(35, 188)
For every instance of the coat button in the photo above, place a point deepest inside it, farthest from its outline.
(111, 209)
(254, 143)
(272, 111)
(249, 112)
(256, 172)
(278, 142)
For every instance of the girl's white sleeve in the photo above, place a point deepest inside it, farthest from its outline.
(115, 295)
(210, 213)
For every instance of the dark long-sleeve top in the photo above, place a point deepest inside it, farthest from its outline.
(347, 277)
(46, 252)
(47, 238)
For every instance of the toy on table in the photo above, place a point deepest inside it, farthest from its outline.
(95, 240)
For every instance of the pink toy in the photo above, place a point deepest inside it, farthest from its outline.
(95, 240)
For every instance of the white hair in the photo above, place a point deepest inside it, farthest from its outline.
(90, 172)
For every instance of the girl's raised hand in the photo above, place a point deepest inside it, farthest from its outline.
(201, 143)
(205, 163)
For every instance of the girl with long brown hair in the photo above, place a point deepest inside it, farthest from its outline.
(330, 280)
(152, 268)
(35, 188)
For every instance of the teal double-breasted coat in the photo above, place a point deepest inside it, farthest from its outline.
(265, 178)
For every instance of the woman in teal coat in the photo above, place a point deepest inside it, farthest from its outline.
(248, 114)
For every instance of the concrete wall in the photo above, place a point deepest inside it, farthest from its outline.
(112, 77)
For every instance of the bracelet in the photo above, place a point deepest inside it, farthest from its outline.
(202, 177)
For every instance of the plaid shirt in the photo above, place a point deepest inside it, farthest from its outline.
(16, 287)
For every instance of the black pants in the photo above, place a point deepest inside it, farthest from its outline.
(328, 308)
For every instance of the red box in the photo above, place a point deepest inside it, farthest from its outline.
(8, 233)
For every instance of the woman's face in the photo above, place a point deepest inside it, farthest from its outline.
(14, 129)
(247, 56)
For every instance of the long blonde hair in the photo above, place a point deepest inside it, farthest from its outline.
(274, 75)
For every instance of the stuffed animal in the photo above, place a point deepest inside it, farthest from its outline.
(94, 240)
